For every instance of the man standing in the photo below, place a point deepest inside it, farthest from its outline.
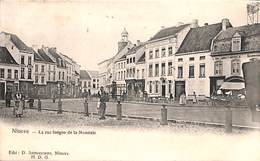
(102, 105)
(8, 97)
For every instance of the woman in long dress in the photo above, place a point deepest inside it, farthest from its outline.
(18, 106)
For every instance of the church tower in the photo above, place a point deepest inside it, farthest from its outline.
(124, 40)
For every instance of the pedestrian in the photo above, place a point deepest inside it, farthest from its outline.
(53, 96)
(171, 97)
(85, 95)
(23, 100)
(98, 103)
(194, 99)
(103, 98)
(182, 100)
(18, 108)
(8, 97)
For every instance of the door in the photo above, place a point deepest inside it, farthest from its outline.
(2, 90)
(179, 89)
(163, 90)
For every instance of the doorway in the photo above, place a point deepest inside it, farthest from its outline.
(179, 89)
(2, 90)
(163, 90)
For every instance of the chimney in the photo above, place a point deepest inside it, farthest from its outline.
(138, 42)
(225, 22)
(206, 24)
(194, 23)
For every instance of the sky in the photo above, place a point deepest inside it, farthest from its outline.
(88, 30)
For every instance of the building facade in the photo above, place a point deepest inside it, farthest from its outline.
(9, 73)
(230, 49)
(194, 62)
(160, 54)
(24, 56)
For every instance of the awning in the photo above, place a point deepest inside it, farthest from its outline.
(233, 85)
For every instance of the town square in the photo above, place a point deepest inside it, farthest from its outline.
(143, 67)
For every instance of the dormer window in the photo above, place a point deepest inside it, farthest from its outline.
(236, 42)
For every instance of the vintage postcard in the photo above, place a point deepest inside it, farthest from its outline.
(141, 80)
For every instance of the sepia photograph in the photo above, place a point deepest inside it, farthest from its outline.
(130, 80)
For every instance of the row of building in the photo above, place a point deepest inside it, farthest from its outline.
(185, 58)
(37, 71)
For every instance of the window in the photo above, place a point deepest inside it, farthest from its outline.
(150, 87)
(97, 85)
(218, 68)
(169, 68)
(127, 73)
(157, 53)
(53, 78)
(133, 72)
(94, 80)
(22, 59)
(150, 70)
(29, 60)
(42, 68)
(59, 75)
(2, 73)
(156, 87)
(62, 75)
(180, 60)
(150, 54)
(163, 52)
(235, 67)
(22, 73)
(191, 71)
(127, 61)
(36, 68)
(191, 58)
(85, 84)
(163, 69)
(89, 84)
(9, 73)
(97, 80)
(236, 44)
(94, 85)
(15, 74)
(36, 79)
(137, 73)
(133, 59)
(130, 60)
(170, 50)
(156, 70)
(180, 72)
(142, 73)
(202, 57)
(202, 71)
(42, 79)
(29, 73)
(49, 76)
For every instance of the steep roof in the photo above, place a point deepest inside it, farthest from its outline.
(6, 57)
(54, 53)
(84, 75)
(42, 53)
(37, 56)
(199, 38)
(93, 73)
(250, 39)
(134, 49)
(168, 32)
(142, 58)
(19, 43)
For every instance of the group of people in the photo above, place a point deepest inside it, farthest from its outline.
(183, 101)
(19, 102)
(103, 97)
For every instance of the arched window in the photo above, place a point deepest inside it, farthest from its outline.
(235, 67)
